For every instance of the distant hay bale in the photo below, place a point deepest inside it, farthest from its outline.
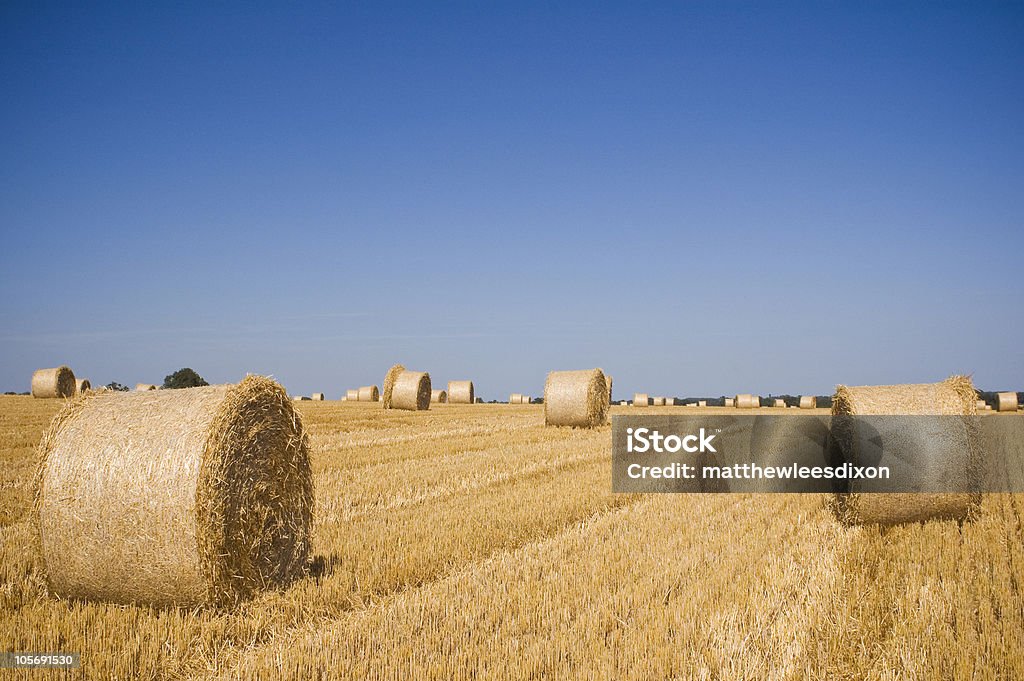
(658, 402)
(438, 397)
(317, 397)
(526, 399)
(952, 453)
(144, 387)
(1006, 402)
(188, 497)
(808, 402)
(368, 393)
(641, 400)
(461, 392)
(56, 382)
(410, 390)
(389, 384)
(81, 385)
(515, 398)
(980, 404)
(746, 401)
(779, 403)
(702, 403)
(575, 398)
(727, 402)
(352, 395)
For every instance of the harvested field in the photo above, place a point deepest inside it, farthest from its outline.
(456, 543)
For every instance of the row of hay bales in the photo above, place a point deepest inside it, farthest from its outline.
(519, 398)
(230, 465)
(61, 382)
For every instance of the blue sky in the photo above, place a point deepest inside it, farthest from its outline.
(701, 198)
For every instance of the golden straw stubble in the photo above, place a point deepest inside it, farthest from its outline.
(194, 496)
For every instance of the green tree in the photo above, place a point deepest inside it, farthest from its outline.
(183, 378)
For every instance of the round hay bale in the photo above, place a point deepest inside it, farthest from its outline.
(438, 397)
(575, 398)
(980, 405)
(389, 384)
(526, 399)
(317, 397)
(988, 407)
(952, 454)
(411, 391)
(187, 497)
(608, 384)
(368, 393)
(144, 387)
(702, 403)
(81, 385)
(1006, 402)
(641, 400)
(56, 382)
(808, 402)
(352, 395)
(659, 402)
(746, 401)
(777, 402)
(461, 392)
(728, 402)
(515, 398)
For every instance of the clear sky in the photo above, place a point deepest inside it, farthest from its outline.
(701, 198)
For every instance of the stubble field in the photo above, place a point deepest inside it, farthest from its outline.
(473, 542)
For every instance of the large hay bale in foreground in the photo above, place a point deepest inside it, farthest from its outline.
(641, 400)
(144, 387)
(746, 401)
(808, 402)
(575, 398)
(1006, 402)
(461, 392)
(56, 382)
(410, 390)
(81, 385)
(368, 393)
(352, 395)
(318, 397)
(438, 396)
(951, 455)
(199, 496)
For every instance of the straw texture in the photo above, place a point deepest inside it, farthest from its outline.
(1006, 402)
(56, 382)
(746, 401)
(368, 393)
(198, 496)
(411, 391)
(389, 383)
(641, 400)
(808, 402)
(461, 392)
(438, 396)
(575, 398)
(953, 453)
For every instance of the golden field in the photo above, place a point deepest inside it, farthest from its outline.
(472, 542)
